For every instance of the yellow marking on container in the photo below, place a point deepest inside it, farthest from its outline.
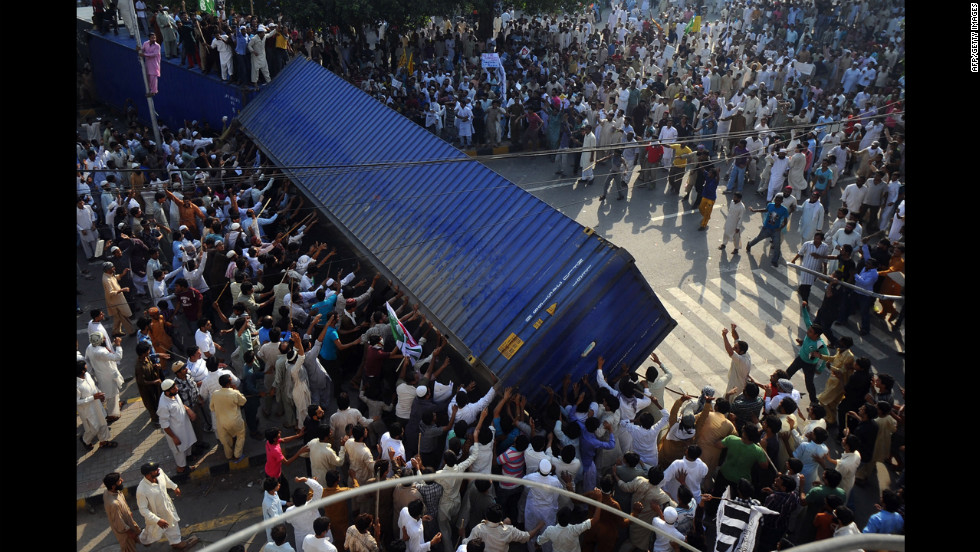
(510, 346)
(551, 310)
(538, 323)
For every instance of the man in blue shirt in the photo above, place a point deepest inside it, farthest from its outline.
(776, 217)
(329, 347)
(864, 279)
(589, 445)
(324, 305)
(821, 182)
(242, 63)
(708, 195)
(888, 521)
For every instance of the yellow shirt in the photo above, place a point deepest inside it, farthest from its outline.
(281, 41)
(114, 296)
(680, 154)
(226, 403)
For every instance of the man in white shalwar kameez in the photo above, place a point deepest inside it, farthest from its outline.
(797, 163)
(125, 10)
(812, 218)
(89, 406)
(302, 521)
(433, 118)
(777, 173)
(733, 223)
(588, 156)
(464, 123)
(895, 232)
(541, 507)
(158, 509)
(175, 421)
(102, 360)
(300, 380)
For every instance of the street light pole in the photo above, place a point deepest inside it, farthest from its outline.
(146, 81)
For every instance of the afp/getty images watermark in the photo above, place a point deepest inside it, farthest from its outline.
(974, 37)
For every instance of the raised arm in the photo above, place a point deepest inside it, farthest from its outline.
(728, 346)
(500, 405)
(484, 402)
(601, 380)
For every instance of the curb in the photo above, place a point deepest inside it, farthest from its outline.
(500, 150)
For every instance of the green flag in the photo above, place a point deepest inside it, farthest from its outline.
(403, 340)
(690, 26)
(208, 6)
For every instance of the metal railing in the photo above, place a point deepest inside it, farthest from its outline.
(850, 542)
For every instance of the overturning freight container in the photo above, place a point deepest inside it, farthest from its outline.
(526, 292)
(184, 94)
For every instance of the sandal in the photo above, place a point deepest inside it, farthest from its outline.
(108, 444)
(86, 445)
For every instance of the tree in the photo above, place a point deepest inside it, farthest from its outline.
(485, 10)
(352, 15)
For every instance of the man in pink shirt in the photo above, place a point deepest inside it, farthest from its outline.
(150, 52)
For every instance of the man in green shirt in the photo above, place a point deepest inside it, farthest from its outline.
(743, 452)
(814, 502)
(811, 343)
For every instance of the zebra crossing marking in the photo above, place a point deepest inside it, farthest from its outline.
(767, 313)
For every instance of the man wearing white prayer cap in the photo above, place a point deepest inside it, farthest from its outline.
(542, 505)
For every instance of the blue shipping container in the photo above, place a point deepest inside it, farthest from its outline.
(184, 94)
(529, 293)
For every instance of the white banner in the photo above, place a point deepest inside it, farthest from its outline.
(490, 60)
(804, 68)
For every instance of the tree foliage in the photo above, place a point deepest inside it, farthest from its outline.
(551, 6)
(352, 15)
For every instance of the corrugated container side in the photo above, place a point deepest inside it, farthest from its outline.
(484, 258)
(184, 94)
(576, 334)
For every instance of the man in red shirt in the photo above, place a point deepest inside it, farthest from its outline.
(374, 359)
(534, 123)
(651, 165)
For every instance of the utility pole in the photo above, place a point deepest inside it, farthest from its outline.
(146, 82)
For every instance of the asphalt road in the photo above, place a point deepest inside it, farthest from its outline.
(211, 509)
(703, 288)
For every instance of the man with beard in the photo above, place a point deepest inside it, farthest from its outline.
(124, 527)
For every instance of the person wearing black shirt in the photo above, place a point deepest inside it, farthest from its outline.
(845, 264)
(863, 425)
(658, 85)
(855, 390)
(829, 310)
(684, 129)
(311, 429)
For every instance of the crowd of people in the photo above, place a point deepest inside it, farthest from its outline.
(772, 95)
(215, 256)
